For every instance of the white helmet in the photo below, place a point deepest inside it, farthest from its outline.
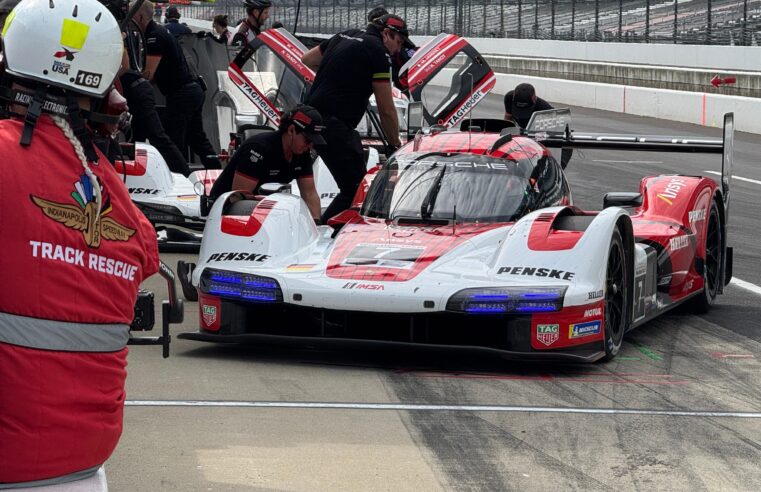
(72, 44)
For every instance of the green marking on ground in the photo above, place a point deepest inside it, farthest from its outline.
(629, 358)
(650, 353)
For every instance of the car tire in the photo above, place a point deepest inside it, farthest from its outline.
(241, 207)
(616, 306)
(712, 263)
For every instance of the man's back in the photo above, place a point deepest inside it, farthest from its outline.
(351, 62)
(176, 28)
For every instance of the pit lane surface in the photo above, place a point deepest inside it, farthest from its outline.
(677, 410)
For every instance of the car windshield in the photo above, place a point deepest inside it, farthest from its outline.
(467, 188)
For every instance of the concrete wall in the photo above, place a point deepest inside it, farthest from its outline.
(719, 58)
(689, 107)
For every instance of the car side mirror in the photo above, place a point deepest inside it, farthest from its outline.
(415, 118)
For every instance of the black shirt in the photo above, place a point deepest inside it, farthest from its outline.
(261, 158)
(351, 62)
(172, 72)
(539, 105)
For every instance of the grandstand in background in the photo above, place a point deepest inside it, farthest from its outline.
(716, 22)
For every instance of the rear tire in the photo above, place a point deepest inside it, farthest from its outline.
(712, 264)
(616, 307)
(241, 207)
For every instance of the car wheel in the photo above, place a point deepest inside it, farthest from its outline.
(616, 295)
(712, 263)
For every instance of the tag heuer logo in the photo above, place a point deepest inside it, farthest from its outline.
(547, 334)
(209, 315)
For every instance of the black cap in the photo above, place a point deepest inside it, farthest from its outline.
(393, 22)
(309, 122)
(376, 13)
(172, 12)
(523, 101)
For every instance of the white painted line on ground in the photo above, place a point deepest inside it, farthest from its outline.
(739, 178)
(746, 285)
(626, 162)
(436, 408)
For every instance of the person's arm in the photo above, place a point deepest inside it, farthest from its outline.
(243, 182)
(312, 58)
(151, 65)
(387, 111)
(309, 195)
(508, 106)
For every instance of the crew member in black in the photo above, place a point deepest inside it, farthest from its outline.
(350, 69)
(172, 22)
(521, 103)
(146, 124)
(166, 64)
(278, 157)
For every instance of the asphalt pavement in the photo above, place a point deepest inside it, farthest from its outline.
(678, 409)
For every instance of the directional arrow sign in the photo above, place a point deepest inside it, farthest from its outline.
(716, 81)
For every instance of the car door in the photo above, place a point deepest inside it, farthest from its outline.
(450, 78)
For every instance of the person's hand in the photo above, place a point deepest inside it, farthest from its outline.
(203, 34)
(390, 149)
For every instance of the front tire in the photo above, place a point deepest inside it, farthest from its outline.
(616, 297)
(712, 264)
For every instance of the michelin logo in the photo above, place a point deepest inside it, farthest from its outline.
(581, 330)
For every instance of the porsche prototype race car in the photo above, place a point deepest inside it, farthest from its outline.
(470, 239)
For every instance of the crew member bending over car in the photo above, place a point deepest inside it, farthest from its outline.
(350, 69)
(75, 247)
(278, 157)
(522, 102)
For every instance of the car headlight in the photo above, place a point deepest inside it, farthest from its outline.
(507, 300)
(240, 286)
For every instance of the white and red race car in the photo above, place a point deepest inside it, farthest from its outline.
(469, 239)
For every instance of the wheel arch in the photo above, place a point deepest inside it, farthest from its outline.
(624, 226)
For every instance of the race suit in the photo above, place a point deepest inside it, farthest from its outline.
(69, 285)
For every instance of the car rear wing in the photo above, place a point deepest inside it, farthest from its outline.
(553, 129)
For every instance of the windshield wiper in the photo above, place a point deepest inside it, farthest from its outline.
(426, 208)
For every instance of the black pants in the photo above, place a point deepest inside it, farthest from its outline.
(183, 121)
(345, 159)
(146, 124)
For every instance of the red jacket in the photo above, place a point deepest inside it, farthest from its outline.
(68, 288)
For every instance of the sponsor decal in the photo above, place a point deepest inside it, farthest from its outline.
(498, 166)
(672, 190)
(537, 272)
(678, 242)
(696, 216)
(64, 53)
(48, 106)
(300, 268)
(261, 102)
(209, 314)
(547, 334)
(593, 312)
(255, 156)
(550, 122)
(61, 67)
(360, 286)
(581, 330)
(238, 257)
(688, 285)
(597, 294)
(145, 191)
(88, 79)
(95, 225)
(465, 108)
(328, 195)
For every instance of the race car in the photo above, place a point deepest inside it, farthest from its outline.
(470, 239)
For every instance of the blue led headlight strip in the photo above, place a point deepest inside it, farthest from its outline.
(240, 286)
(507, 300)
